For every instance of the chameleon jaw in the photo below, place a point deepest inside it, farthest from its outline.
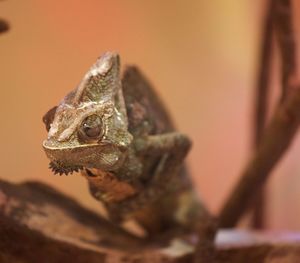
(61, 169)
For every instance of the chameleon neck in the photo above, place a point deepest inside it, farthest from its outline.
(106, 187)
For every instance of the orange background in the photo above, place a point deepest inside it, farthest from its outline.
(200, 55)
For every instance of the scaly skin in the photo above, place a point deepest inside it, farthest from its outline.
(121, 137)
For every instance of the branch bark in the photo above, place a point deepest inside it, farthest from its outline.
(41, 208)
(39, 224)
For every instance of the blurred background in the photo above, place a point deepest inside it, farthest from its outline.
(201, 57)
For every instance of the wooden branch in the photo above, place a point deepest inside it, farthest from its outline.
(285, 38)
(276, 140)
(21, 244)
(41, 208)
(280, 132)
(39, 224)
(264, 72)
(205, 250)
(261, 102)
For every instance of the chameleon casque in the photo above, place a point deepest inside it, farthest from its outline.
(117, 132)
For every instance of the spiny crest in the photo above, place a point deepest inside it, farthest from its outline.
(63, 169)
(101, 82)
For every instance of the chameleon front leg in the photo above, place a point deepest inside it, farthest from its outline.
(158, 205)
(171, 149)
(174, 148)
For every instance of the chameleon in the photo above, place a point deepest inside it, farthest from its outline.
(116, 131)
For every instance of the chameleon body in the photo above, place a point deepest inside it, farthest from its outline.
(117, 132)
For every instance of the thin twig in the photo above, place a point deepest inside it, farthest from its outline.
(261, 102)
(262, 90)
(276, 140)
(280, 132)
(205, 250)
(286, 41)
(4, 26)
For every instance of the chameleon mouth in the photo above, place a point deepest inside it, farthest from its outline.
(58, 168)
(89, 173)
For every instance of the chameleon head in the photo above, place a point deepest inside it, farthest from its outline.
(88, 129)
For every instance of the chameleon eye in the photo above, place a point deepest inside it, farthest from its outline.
(91, 128)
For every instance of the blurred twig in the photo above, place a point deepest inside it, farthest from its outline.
(286, 41)
(4, 26)
(205, 251)
(261, 102)
(262, 87)
(279, 134)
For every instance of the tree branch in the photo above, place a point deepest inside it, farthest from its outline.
(276, 140)
(280, 132)
(261, 102)
(39, 224)
(41, 208)
(285, 38)
(264, 72)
